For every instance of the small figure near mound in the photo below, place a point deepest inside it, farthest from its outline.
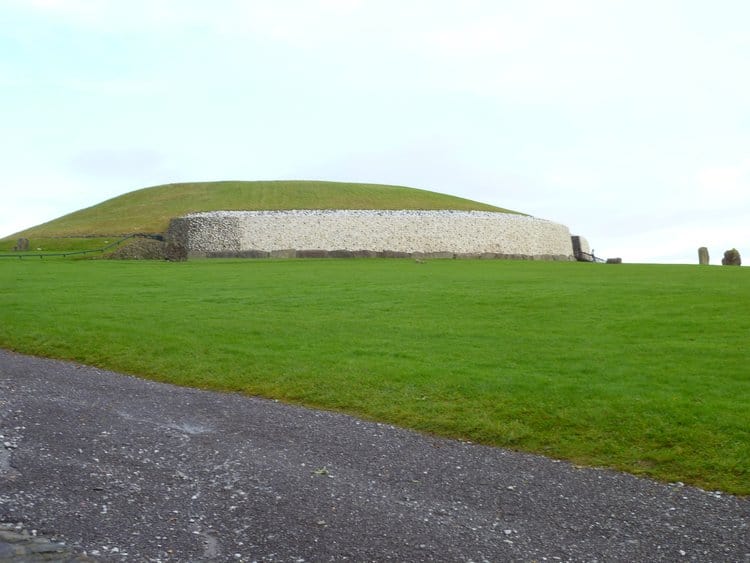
(703, 256)
(731, 258)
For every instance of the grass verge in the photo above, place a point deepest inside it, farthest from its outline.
(635, 367)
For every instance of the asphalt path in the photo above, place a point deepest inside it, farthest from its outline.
(121, 468)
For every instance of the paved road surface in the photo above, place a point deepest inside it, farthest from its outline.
(124, 469)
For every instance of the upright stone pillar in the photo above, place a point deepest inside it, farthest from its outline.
(732, 258)
(703, 256)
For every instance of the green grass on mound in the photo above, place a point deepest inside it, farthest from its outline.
(641, 368)
(42, 245)
(149, 210)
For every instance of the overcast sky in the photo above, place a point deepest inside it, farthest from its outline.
(628, 121)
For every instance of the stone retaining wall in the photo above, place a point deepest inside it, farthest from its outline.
(356, 233)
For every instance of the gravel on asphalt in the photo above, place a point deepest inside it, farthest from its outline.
(119, 468)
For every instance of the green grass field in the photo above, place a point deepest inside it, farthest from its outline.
(637, 367)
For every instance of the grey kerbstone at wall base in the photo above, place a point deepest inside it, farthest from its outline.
(352, 254)
(394, 254)
(433, 255)
(313, 253)
(554, 257)
(238, 254)
(284, 253)
(341, 254)
(364, 254)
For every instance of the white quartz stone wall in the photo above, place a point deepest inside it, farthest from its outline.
(203, 233)
(459, 232)
(585, 246)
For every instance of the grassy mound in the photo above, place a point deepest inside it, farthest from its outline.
(149, 210)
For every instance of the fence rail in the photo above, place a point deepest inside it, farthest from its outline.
(588, 257)
(79, 252)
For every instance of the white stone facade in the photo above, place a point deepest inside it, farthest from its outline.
(412, 232)
(585, 246)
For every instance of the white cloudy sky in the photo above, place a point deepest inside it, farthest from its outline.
(626, 120)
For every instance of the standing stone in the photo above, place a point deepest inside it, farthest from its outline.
(22, 244)
(731, 258)
(703, 256)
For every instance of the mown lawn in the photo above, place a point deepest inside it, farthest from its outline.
(637, 367)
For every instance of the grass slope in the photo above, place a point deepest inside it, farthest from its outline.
(641, 368)
(149, 210)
